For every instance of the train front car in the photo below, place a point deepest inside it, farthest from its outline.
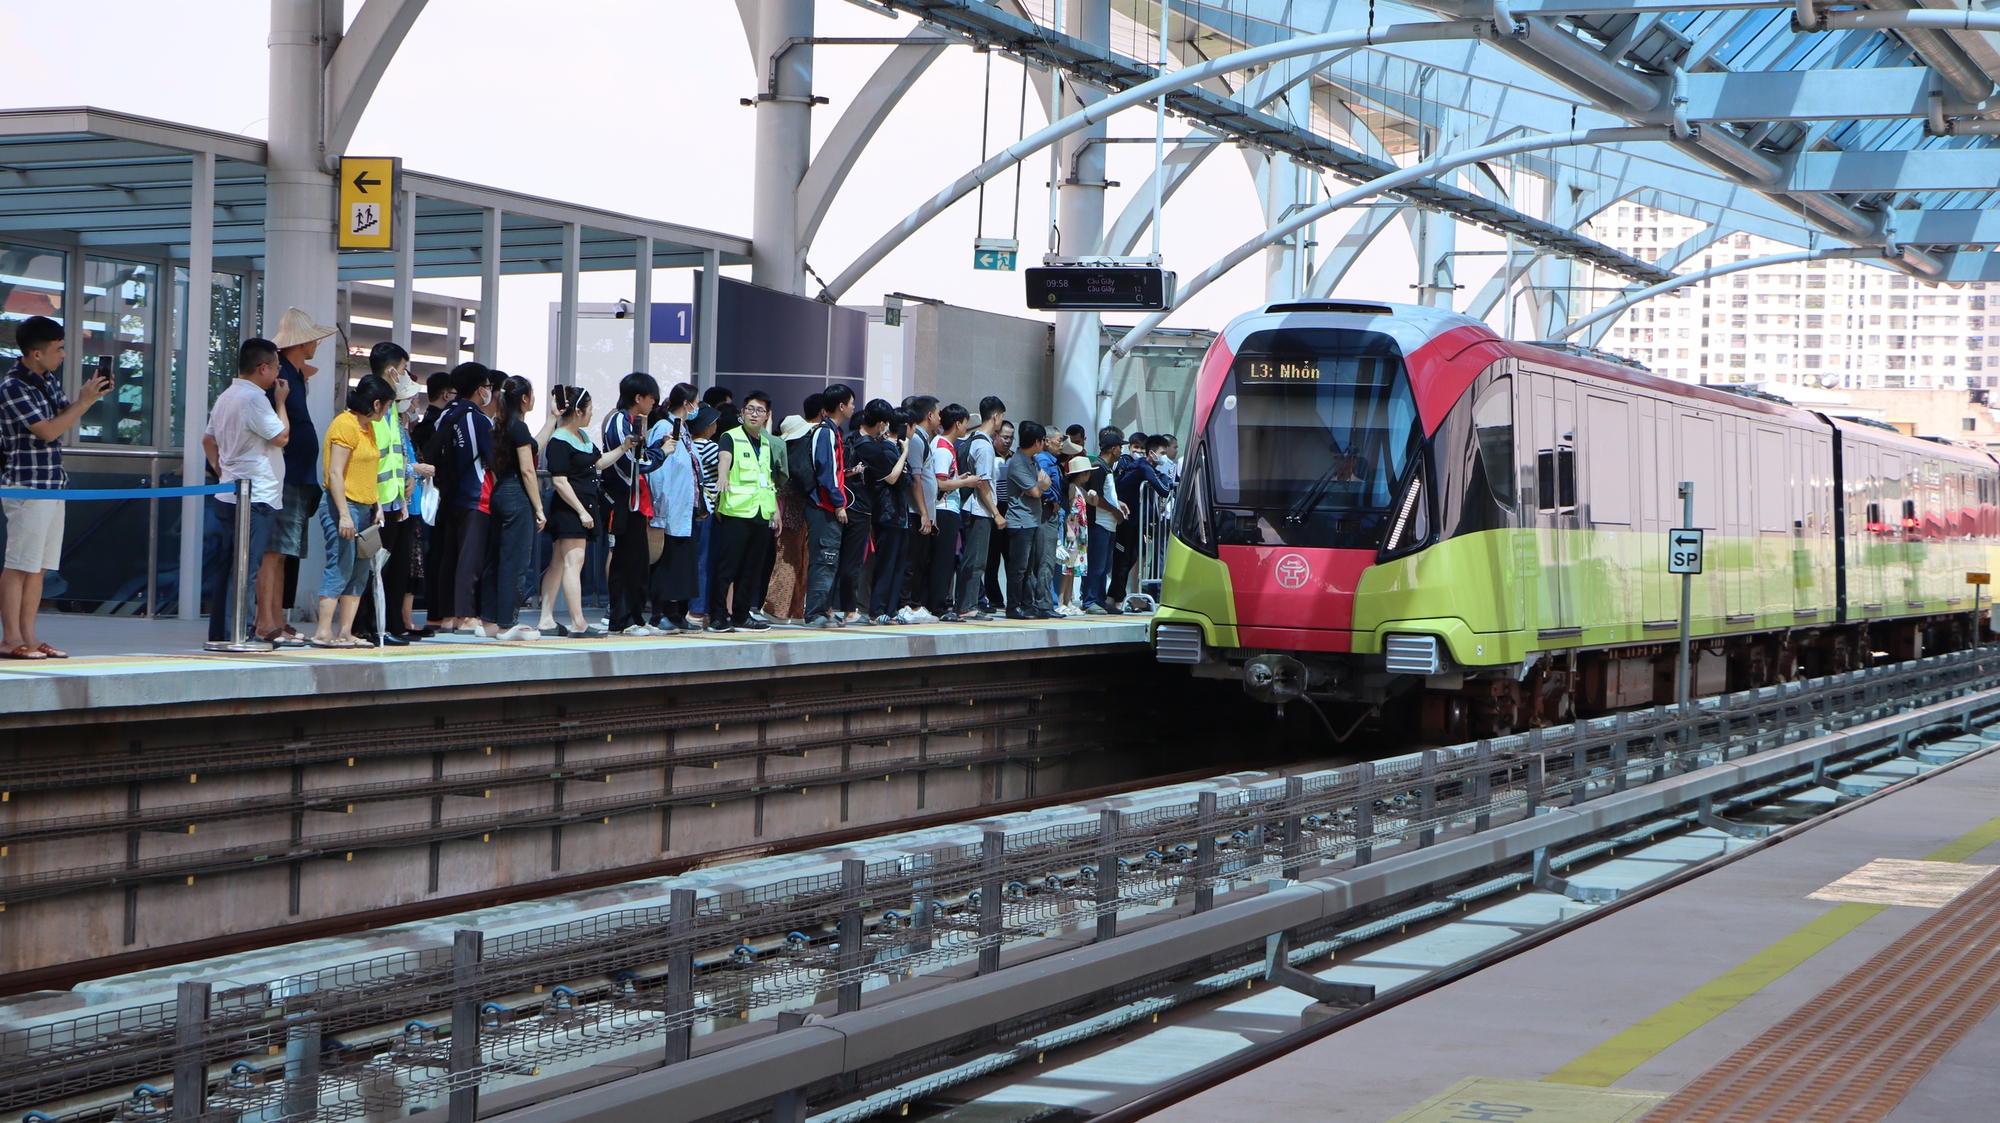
(1328, 538)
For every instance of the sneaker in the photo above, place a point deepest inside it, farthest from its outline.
(1068, 610)
(885, 620)
(757, 616)
(755, 625)
(637, 630)
(519, 632)
(689, 626)
(720, 625)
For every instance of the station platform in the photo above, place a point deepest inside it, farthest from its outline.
(122, 664)
(1845, 974)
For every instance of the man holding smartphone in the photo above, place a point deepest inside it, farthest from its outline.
(34, 414)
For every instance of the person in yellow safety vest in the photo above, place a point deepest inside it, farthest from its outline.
(746, 508)
(396, 482)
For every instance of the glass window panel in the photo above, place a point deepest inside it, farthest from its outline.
(225, 326)
(31, 284)
(118, 338)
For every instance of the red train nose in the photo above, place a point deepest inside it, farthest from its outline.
(1295, 597)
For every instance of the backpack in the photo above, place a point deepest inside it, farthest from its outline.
(961, 449)
(799, 463)
(441, 452)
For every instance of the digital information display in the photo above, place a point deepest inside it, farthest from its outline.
(1095, 288)
(1277, 370)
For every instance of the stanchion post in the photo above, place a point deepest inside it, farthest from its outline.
(1427, 804)
(239, 607)
(680, 973)
(992, 905)
(466, 948)
(1204, 851)
(1295, 796)
(1364, 812)
(190, 1064)
(853, 878)
(1107, 875)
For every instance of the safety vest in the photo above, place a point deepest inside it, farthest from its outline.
(389, 443)
(750, 494)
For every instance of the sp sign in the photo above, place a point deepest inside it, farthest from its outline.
(1684, 551)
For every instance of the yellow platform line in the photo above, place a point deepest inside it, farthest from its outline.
(1616, 1058)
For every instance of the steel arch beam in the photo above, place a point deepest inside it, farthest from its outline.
(1349, 249)
(843, 146)
(1135, 95)
(1390, 182)
(359, 62)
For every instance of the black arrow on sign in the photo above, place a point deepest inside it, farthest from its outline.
(363, 183)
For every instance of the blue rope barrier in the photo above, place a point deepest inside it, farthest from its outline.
(67, 495)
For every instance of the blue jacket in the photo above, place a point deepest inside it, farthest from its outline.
(829, 455)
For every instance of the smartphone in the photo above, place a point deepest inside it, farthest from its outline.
(104, 369)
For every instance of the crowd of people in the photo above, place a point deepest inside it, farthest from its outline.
(713, 515)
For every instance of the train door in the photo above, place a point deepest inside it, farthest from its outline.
(1553, 432)
(1697, 461)
(1610, 469)
(1770, 509)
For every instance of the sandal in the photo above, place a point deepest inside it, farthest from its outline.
(25, 652)
(51, 652)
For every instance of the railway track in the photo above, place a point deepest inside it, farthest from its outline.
(560, 995)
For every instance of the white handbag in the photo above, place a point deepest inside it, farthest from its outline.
(427, 502)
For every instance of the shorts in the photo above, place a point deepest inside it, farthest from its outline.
(346, 573)
(34, 533)
(288, 533)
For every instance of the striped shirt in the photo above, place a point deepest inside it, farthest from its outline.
(709, 455)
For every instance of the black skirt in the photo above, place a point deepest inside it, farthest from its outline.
(564, 522)
(675, 576)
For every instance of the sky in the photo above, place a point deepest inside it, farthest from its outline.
(633, 106)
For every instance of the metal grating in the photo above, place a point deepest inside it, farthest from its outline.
(1412, 655)
(1177, 643)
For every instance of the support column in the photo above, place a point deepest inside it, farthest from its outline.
(1281, 193)
(301, 266)
(705, 322)
(642, 307)
(784, 142)
(1080, 219)
(486, 344)
(194, 378)
(404, 300)
(1434, 237)
(572, 265)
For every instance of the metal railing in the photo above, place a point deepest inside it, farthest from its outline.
(429, 1028)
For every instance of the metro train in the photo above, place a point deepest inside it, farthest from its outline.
(1390, 510)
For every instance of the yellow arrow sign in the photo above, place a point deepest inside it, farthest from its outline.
(367, 215)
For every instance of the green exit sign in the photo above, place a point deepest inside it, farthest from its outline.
(995, 254)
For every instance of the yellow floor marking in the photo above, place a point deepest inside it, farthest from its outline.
(1626, 1051)
(1522, 1101)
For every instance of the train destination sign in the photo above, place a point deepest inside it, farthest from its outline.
(1099, 288)
(1683, 550)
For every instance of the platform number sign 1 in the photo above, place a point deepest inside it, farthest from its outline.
(1684, 550)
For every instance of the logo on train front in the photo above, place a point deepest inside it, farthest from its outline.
(1293, 571)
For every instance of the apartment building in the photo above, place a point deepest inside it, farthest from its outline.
(1835, 324)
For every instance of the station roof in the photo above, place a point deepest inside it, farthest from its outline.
(119, 182)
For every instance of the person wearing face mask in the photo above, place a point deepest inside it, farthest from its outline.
(1139, 485)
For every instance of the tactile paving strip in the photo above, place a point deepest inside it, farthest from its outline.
(1853, 1051)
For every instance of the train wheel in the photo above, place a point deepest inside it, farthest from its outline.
(1500, 713)
(1841, 655)
(1758, 668)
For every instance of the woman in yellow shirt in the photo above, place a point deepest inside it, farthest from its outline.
(352, 459)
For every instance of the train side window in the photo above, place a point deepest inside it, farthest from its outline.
(1493, 422)
(1545, 480)
(1566, 477)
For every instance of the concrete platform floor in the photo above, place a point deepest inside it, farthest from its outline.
(1543, 1018)
(122, 662)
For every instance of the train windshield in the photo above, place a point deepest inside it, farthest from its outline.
(1314, 430)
